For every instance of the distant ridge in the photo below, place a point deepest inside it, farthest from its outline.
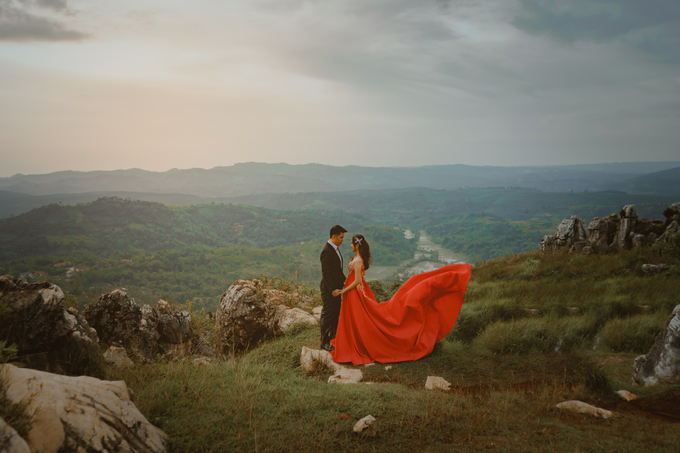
(253, 178)
(666, 182)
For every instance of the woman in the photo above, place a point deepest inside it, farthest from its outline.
(404, 328)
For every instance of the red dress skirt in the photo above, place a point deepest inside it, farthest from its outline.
(405, 327)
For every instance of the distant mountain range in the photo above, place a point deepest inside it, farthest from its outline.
(20, 193)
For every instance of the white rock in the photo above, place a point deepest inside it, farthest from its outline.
(316, 312)
(584, 408)
(435, 382)
(294, 316)
(10, 441)
(388, 367)
(75, 411)
(662, 363)
(367, 426)
(346, 376)
(118, 357)
(626, 395)
(369, 364)
(201, 361)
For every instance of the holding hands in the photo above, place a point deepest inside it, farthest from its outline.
(337, 292)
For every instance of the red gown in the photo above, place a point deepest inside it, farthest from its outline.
(405, 327)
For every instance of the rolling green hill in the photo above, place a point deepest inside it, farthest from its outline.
(666, 182)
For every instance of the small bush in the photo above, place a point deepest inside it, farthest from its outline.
(474, 318)
(633, 334)
(670, 246)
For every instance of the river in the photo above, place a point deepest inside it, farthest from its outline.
(422, 261)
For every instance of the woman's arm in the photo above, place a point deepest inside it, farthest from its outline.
(358, 266)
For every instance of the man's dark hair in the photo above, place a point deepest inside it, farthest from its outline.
(336, 230)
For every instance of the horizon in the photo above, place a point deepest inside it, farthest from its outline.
(158, 85)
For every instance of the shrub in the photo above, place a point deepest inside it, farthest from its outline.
(633, 334)
(474, 318)
(670, 246)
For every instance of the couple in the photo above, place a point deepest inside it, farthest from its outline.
(356, 328)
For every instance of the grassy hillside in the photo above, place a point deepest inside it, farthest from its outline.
(666, 182)
(508, 368)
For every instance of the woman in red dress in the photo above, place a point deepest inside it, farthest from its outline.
(403, 328)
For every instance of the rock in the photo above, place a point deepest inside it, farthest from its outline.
(435, 382)
(529, 311)
(116, 317)
(289, 299)
(626, 395)
(599, 233)
(583, 408)
(638, 240)
(662, 362)
(652, 238)
(316, 312)
(146, 336)
(672, 213)
(10, 441)
(81, 413)
(174, 327)
(588, 250)
(673, 228)
(201, 361)
(651, 269)
(568, 232)
(118, 357)
(48, 337)
(388, 368)
(622, 238)
(367, 426)
(288, 317)
(244, 318)
(310, 358)
(205, 342)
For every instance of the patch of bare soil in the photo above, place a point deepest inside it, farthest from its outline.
(662, 407)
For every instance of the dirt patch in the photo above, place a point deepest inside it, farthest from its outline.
(662, 407)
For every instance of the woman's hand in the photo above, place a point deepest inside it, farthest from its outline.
(337, 292)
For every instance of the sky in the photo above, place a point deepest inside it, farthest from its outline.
(103, 85)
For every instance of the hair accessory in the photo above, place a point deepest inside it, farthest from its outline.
(358, 241)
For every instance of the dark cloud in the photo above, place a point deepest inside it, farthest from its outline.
(651, 26)
(36, 20)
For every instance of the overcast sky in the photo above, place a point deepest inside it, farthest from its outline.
(88, 85)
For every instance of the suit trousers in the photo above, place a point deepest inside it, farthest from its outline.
(330, 313)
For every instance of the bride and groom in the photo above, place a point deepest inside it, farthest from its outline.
(356, 328)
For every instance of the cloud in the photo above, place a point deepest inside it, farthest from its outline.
(36, 20)
(652, 26)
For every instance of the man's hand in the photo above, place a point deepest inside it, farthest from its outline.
(337, 292)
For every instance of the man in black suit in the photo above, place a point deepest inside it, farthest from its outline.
(332, 278)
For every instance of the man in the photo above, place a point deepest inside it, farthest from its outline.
(332, 278)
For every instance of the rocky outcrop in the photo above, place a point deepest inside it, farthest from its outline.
(568, 232)
(244, 318)
(118, 357)
(47, 335)
(116, 316)
(651, 269)
(600, 233)
(10, 441)
(672, 214)
(310, 358)
(81, 414)
(622, 239)
(144, 330)
(662, 363)
(671, 229)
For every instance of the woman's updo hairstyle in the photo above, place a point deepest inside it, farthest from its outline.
(364, 249)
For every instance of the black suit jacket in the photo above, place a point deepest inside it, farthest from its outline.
(331, 269)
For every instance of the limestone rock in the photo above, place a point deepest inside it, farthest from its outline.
(345, 375)
(288, 317)
(436, 382)
(672, 213)
(588, 250)
(638, 240)
(388, 368)
(584, 408)
(118, 357)
(622, 239)
(174, 327)
(568, 232)
(651, 269)
(599, 233)
(81, 413)
(205, 342)
(626, 395)
(116, 316)
(316, 312)
(309, 358)
(48, 336)
(662, 362)
(367, 426)
(244, 318)
(10, 441)
(671, 229)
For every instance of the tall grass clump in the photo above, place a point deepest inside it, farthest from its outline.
(633, 334)
(537, 335)
(474, 318)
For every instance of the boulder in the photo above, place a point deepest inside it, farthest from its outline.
(118, 357)
(310, 358)
(116, 316)
(367, 426)
(584, 408)
(244, 318)
(588, 250)
(174, 327)
(671, 229)
(436, 382)
(651, 269)
(569, 231)
(599, 235)
(205, 342)
(288, 317)
(316, 312)
(662, 362)
(10, 441)
(81, 414)
(622, 239)
(48, 337)
(672, 213)
(626, 395)
(638, 240)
